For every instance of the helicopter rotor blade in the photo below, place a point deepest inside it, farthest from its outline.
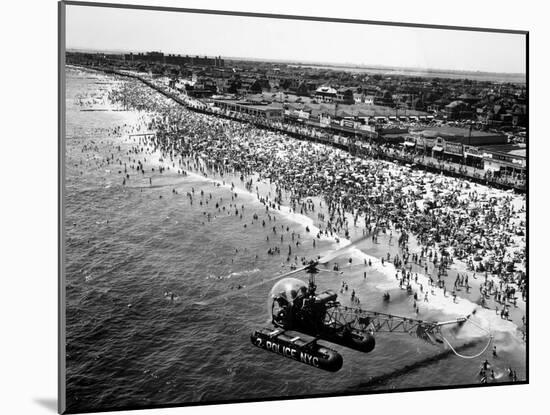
(321, 261)
(339, 251)
(247, 288)
(329, 271)
(341, 268)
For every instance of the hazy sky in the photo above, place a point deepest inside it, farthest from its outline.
(252, 37)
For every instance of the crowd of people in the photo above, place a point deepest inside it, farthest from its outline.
(451, 218)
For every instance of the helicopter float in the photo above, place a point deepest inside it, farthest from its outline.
(301, 317)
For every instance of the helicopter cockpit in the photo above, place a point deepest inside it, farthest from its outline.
(286, 296)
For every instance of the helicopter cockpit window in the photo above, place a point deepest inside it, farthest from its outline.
(289, 289)
(285, 296)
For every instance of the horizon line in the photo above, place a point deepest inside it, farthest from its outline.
(317, 63)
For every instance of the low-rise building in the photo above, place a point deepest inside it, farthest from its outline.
(325, 94)
(345, 96)
(259, 109)
(506, 159)
(467, 136)
(457, 110)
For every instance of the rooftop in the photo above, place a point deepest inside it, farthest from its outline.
(254, 105)
(448, 131)
(519, 150)
(326, 90)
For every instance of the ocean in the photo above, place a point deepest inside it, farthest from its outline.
(140, 253)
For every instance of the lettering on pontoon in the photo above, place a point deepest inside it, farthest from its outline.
(287, 351)
(276, 348)
(309, 359)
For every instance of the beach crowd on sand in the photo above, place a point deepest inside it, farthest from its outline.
(451, 218)
(437, 221)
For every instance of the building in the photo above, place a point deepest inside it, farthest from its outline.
(467, 136)
(473, 156)
(392, 134)
(363, 99)
(326, 94)
(329, 94)
(172, 59)
(457, 110)
(505, 159)
(457, 144)
(345, 96)
(201, 90)
(384, 99)
(484, 150)
(258, 109)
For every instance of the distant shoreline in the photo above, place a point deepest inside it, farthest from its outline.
(516, 78)
(513, 77)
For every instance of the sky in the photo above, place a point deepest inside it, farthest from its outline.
(97, 28)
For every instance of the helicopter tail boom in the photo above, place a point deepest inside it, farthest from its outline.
(364, 321)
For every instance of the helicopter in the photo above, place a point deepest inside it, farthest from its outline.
(301, 317)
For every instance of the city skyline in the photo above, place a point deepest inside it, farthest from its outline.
(283, 40)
